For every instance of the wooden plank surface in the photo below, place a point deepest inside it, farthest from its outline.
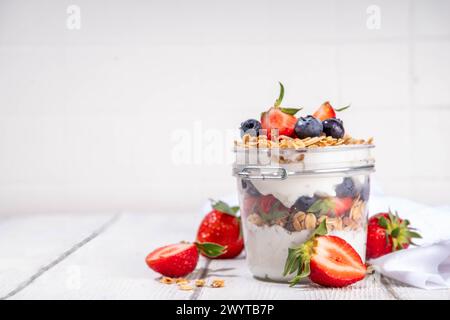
(111, 264)
(31, 244)
(113, 267)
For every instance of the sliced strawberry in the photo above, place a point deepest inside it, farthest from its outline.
(266, 203)
(335, 263)
(278, 118)
(326, 111)
(342, 205)
(180, 259)
(327, 260)
(175, 260)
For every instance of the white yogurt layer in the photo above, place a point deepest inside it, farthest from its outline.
(288, 191)
(267, 248)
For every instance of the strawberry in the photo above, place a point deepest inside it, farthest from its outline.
(327, 260)
(279, 118)
(180, 259)
(342, 205)
(331, 206)
(266, 203)
(387, 233)
(223, 227)
(326, 111)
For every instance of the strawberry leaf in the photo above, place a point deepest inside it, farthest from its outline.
(224, 207)
(299, 258)
(382, 222)
(290, 111)
(412, 234)
(280, 97)
(211, 249)
(343, 108)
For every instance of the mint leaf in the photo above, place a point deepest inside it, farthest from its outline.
(342, 109)
(280, 97)
(291, 111)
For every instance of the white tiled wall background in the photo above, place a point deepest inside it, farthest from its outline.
(86, 116)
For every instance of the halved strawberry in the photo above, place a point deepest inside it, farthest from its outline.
(327, 260)
(180, 259)
(279, 118)
(326, 111)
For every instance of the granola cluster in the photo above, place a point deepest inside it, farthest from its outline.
(185, 284)
(285, 142)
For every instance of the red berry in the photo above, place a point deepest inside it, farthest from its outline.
(325, 111)
(279, 118)
(221, 226)
(387, 233)
(274, 118)
(175, 260)
(342, 205)
(327, 260)
(335, 263)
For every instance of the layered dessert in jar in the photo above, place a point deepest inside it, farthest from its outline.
(293, 174)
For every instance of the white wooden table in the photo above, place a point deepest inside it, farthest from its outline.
(101, 256)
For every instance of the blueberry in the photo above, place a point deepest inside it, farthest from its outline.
(308, 127)
(346, 189)
(303, 204)
(250, 126)
(248, 187)
(333, 127)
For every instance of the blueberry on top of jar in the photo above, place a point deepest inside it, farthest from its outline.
(347, 188)
(308, 127)
(251, 127)
(333, 127)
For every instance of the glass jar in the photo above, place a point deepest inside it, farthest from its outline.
(285, 193)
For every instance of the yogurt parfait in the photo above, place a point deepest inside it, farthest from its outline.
(292, 175)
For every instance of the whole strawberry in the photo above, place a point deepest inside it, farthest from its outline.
(387, 233)
(223, 227)
(180, 259)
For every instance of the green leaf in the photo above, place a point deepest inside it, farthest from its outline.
(290, 262)
(412, 234)
(322, 207)
(280, 97)
(211, 249)
(395, 232)
(321, 229)
(382, 222)
(224, 207)
(343, 108)
(291, 111)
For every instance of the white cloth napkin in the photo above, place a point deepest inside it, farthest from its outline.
(426, 267)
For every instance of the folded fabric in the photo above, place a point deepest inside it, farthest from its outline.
(426, 267)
